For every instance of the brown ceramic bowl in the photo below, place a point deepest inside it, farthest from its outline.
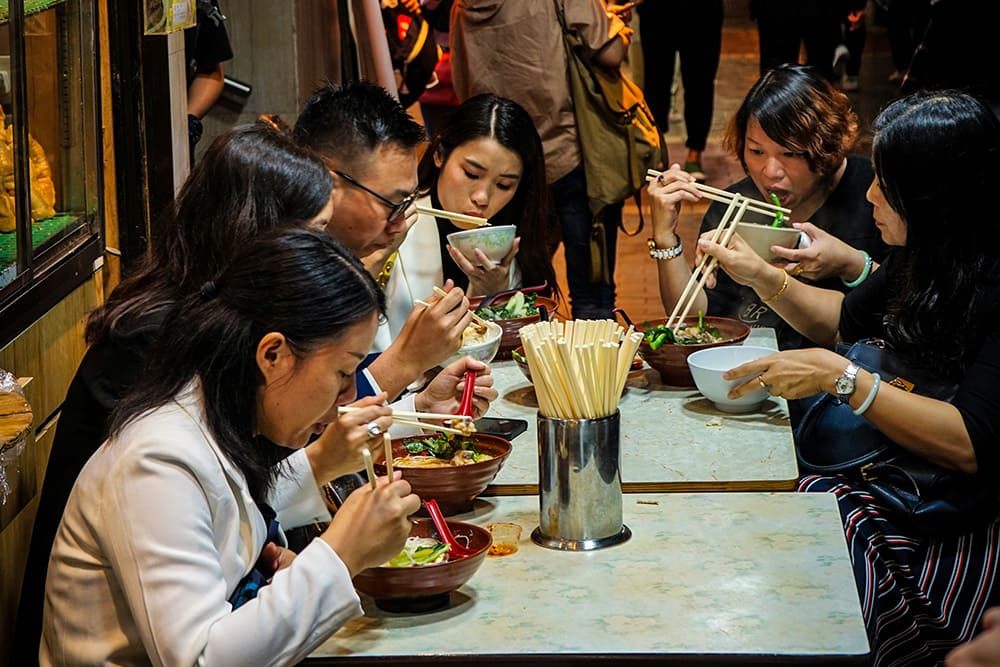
(454, 487)
(426, 587)
(671, 360)
(522, 361)
(510, 337)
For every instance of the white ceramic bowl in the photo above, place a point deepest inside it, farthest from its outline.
(707, 367)
(484, 351)
(762, 237)
(496, 242)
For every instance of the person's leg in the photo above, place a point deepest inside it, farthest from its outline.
(854, 38)
(588, 298)
(779, 42)
(821, 32)
(700, 51)
(658, 52)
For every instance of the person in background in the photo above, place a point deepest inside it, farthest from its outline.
(847, 56)
(487, 162)
(370, 143)
(936, 302)
(692, 30)
(516, 49)
(792, 134)
(206, 47)
(783, 26)
(169, 516)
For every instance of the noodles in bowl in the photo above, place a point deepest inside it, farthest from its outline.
(453, 486)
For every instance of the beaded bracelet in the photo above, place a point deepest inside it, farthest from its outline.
(865, 272)
(665, 253)
(865, 404)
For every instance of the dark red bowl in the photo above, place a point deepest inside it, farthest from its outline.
(510, 338)
(425, 587)
(454, 487)
(670, 360)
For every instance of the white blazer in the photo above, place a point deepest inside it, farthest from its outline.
(157, 532)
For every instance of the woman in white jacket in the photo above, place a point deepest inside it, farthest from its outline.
(165, 526)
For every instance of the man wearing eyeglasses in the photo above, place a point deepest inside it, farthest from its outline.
(370, 144)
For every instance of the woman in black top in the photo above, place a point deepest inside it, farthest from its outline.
(936, 301)
(792, 134)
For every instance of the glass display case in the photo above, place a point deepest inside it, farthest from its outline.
(49, 169)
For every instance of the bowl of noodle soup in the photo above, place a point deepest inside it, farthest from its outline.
(453, 486)
(670, 359)
(420, 588)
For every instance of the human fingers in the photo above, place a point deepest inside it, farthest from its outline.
(991, 618)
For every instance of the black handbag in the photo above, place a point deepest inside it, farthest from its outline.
(831, 439)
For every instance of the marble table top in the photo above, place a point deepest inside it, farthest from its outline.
(672, 439)
(725, 577)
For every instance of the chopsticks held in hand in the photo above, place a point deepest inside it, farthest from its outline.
(415, 419)
(441, 292)
(724, 196)
(723, 233)
(456, 217)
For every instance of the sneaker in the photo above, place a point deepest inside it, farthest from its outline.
(849, 84)
(840, 56)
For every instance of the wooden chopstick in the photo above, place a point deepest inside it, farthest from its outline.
(457, 217)
(441, 292)
(387, 444)
(689, 291)
(405, 414)
(428, 426)
(369, 467)
(724, 196)
(724, 240)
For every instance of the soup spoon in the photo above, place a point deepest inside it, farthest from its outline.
(456, 548)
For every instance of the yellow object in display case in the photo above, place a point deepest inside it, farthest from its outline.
(43, 191)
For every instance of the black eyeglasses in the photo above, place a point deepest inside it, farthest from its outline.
(396, 209)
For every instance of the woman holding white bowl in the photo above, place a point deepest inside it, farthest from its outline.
(486, 162)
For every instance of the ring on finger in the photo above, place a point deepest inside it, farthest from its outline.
(373, 429)
(796, 271)
(763, 384)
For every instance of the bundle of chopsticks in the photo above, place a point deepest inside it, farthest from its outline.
(737, 205)
(457, 217)
(579, 367)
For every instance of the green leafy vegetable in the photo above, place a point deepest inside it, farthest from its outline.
(442, 446)
(779, 217)
(519, 305)
(420, 551)
(661, 334)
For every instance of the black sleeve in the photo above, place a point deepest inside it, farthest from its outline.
(978, 403)
(864, 306)
(207, 43)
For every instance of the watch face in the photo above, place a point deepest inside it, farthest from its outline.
(845, 385)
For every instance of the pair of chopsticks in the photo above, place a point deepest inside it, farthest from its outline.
(457, 217)
(370, 468)
(723, 233)
(725, 197)
(441, 292)
(405, 418)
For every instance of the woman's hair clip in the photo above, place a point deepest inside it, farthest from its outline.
(209, 290)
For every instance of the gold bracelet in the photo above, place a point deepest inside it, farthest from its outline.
(784, 286)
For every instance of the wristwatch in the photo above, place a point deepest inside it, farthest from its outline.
(845, 383)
